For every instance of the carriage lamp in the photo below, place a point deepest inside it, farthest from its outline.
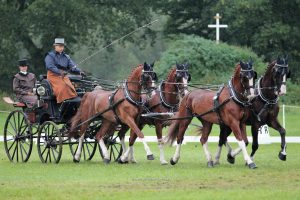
(41, 91)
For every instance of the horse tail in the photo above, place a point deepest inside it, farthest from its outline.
(174, 127)
(76, 119)
(173, 131)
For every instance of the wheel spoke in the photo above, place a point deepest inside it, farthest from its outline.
(16, 132)
(20, 124)
(21, 146)
(49, 152)
(43, 151)
(83, 150)
(21, 151)
(88, 149)
(11, 145)
(53, 153)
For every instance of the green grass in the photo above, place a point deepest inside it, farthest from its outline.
(189, 179)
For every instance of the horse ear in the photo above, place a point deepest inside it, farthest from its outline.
(250, 60)
(278, 58)
(152, 65)
(187, 64)
(286, 59)
(255, 75)
(288, 74)
(241, 63)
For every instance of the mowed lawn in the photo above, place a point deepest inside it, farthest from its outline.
(189, 179)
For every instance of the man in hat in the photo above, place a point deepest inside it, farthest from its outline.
(58, 64)
(24, 83)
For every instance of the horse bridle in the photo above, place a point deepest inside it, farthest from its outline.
(243, 74)
(185, 87)
(143, 81)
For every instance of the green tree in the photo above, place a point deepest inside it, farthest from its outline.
(28, 27)
(269, 27)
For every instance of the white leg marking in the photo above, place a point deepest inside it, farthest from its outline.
(122, 141)
(131, 156)
(125, 156)
(79, 149)
(236, 151)
(177, 153)
(218, 155)
(103, 149)
(147, 149)
(162, 153)
(206, 151)
(153, 86)
(246, 156)
(284, 150)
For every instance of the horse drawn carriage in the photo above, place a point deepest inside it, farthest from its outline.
(47, 124)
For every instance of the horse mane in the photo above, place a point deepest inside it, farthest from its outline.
(269, 68)
(237, 71)
(171, 73)
(133, 70)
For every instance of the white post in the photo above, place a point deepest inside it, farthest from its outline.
(217, 26)
(283, 116)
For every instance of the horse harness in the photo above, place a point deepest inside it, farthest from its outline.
(268, 103)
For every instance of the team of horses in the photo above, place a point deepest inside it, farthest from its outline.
(239, 103)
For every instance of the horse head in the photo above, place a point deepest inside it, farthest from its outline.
(247, 77)
(279, 74)
(182, 78)
(148, 78)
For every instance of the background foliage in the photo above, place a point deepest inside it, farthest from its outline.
(266, 27)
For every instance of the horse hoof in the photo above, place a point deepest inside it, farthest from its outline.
(150, 157)
(230, 159)
(122, 162)
(172, 162)
(163, 162)
(282, 156)
(75, 161)
(210, 164)
(106, 161)
(216, 162)
(252, 165)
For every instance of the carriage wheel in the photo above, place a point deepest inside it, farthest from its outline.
(49, 142)
(113, 146)
(17, 137)
(89, 147)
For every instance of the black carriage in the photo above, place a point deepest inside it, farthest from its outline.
(48, 123)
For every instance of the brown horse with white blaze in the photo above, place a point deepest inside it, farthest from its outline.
(121, 106)
(226, 106)
(166, 101)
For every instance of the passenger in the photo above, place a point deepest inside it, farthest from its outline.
(58, 64)
(24, 83)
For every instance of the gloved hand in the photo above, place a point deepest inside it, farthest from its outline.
(63, 73)
(82, 74)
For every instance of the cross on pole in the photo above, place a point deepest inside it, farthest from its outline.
(217, 26)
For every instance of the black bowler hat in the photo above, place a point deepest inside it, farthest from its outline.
(23, 62)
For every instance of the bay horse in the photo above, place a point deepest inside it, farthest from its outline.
(119, 107)
(166, 100)
(223, 107)
(264, 109)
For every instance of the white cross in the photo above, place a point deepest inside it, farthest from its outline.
(217, 26)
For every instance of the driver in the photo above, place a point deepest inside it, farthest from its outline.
(58, 64)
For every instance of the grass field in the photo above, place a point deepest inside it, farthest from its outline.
(189, 179)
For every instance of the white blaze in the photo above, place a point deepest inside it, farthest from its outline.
(185, 82)
(283, 87)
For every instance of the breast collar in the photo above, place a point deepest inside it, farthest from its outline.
(235, 97)
(163, 100)
(260, 94)
(129, 98)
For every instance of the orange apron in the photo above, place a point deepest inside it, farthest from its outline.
(62, 87)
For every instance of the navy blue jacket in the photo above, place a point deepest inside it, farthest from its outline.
(55, 62)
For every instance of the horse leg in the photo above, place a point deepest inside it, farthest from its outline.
(158, 129)
(181, 127)
(224, 133)
(254, 130)
(236, 129)
(105, 127)
(121, 135)
(204, 137)
(128, 154)
(77, 155)
(276, 125)
(231, 155)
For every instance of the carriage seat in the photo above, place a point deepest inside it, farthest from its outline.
(74, 102)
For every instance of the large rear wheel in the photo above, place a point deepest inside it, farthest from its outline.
(17, 137)
(49, 143)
